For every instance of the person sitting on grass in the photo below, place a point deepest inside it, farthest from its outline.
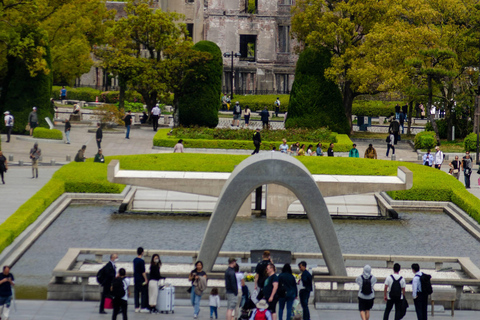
(99, 157)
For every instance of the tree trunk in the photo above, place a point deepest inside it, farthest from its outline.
(430, 103)
(409, 115)
(176, 110)
(348, 97)
(150, 99)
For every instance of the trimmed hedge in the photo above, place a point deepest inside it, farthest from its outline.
(425, 140)
(259, 102)
(90, 94)
(374, 108)
(470, 142)
(162, 139)
(44, 133)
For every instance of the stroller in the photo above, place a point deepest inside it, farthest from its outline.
(247, 304)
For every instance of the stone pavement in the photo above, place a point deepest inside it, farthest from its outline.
(73, 310)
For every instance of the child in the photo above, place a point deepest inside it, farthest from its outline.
(214, 303)
(262, 311)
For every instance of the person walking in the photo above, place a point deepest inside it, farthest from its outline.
(319, 150)
(8, 124)
(231, 288)
(427, 159)
(198, 277)
(439, 156)
(99, 135)
(330, 150)
(270, 289)
(246, 115)
(35, 154)
(257, 141)
(7, 281)
(370, 153)
(390, 143)
(33, 119)
(393, 293)
(277, 107)
(366, 295)
(395, 129)
(105, 277)
(420, 299)
(68, 127)
(304, 294)
(140, 282)
(287, 291)
(63, 93)
(467, 169)
(353, 153)
(455, 167)
(155, 265)
(128, 122)
(264, 115)
(3, 166)
(237, 114)
(214, 303)
(80, 156)
(121, 303)
(155, 116)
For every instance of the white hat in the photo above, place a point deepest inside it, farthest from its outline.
(236, 102)
(262, 304)
(34, 108)
(6, 112)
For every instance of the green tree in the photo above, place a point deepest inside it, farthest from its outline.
(315, 101)
(198, 99)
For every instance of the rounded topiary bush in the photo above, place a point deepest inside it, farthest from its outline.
(470, 142)
(315, 101)
(43, 133)
(199, 101)
(425, 140)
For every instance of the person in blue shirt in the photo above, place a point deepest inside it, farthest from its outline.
(353, 152)
(419, 299)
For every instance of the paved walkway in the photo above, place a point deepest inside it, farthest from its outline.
(73, 310)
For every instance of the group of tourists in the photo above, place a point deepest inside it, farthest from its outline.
(237, 113)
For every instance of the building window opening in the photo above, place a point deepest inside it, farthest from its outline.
(248, 45)
(284, 38)
(190, 30)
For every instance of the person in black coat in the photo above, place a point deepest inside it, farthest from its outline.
(99, 136)
(257, 141)
(109, 273)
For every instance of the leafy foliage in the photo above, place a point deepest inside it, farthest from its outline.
(425, 140)
(44, 133)
(470, 142)
(198, 101)
(90, 95)
(315, 101)
(259, 102)
(375, 108)
(462, 128)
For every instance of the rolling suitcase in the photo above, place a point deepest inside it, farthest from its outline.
(166, 300)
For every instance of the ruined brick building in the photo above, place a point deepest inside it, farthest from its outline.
(258, 30)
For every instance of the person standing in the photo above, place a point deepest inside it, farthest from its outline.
(397, 111)
(304, 294)
(99, 157)
(224, 102)
(366, 295)
(6, 284)
(277, 107)
(257, 141)
(401, 121)
(264, 115)
(288, 285)
(178, 148)
(140, 282)
(33, 119)
(240, 284)
(121, 303)
(270, 289)
(284, 146)
(438, 158)
(3, 166)
(237, 114)
(128, 122)
(394, 292)
(155, 116)
(427, 159)
(8, 124)
(155, 277)
(99, 135)
(35, 154)
(108, 273)
(319, 150)
(330, 150)
(246, 115)
(390, 143)
(419, 299)
(370, 153)
(467, 169)
(455, 165)
(353, 153)
(231, 288)
(80, 157)
(199, 284)
(68, 127)
(214, 303)
(63, 93)
(260, 273)
(395, 129)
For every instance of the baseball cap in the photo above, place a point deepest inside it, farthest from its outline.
(6, 112)
(236, 102)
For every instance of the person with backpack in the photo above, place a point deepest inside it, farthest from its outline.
(105, 277)
(421, 289)
(8, 124)
(237, 114)
(120, 294)
(394, 292)
(390, 143)
(366, 295)
(261, 312)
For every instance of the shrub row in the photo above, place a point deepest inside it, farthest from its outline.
(90, 94)
(470, 142)
(425, 140)
(259, 102)
(44, 133)
(162, 139)
(374, 108)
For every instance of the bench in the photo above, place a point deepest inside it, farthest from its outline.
(444, 295)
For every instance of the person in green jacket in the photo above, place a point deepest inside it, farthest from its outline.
(353, 152)
(99, 157)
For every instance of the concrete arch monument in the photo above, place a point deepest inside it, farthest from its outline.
(272, 168)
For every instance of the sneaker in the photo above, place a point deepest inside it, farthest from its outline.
(137, 310)
(195, 316)
(145, 311)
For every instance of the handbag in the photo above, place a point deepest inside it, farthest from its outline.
(455, 170)
(189, 290)
(108, 303)
(468, 171)
(27, 127)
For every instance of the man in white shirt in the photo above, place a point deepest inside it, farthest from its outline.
(395, 296)
(155, 116)
(8, 124)
(427, 159)
(438, 158)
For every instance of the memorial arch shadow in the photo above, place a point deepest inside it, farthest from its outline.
(272, 168)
